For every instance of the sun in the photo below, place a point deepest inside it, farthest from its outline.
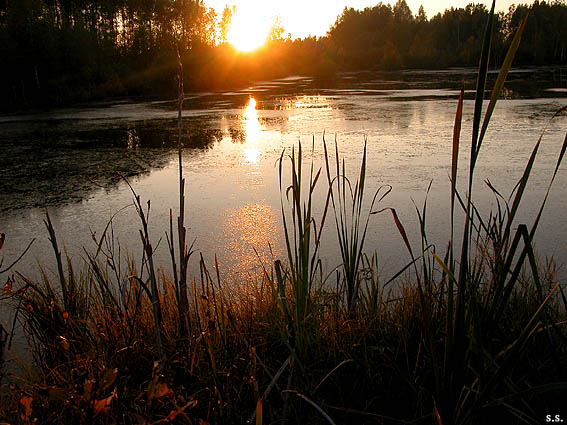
(249, 28)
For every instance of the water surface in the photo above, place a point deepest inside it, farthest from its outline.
(74, 161)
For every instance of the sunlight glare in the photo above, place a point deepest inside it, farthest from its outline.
(251, 156)
(250, 112)
(252, 227)
(252, 123)
(249, 28)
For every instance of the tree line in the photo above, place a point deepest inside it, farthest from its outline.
(392, 37)
(61, 51)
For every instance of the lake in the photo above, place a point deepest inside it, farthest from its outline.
(68, 160)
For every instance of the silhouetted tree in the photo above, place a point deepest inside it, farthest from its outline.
(224, 24)
(421, 17)
(402, 12)
(56, 51)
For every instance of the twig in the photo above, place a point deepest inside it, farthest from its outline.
(19, 258)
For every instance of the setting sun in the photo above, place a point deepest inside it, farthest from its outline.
(304, 18)
(249, 28)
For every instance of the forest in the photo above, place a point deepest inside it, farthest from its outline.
(58, 52)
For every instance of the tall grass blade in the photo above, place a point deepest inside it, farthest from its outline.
(302, 240)
(455, 161)
(520, 192)
(53, 240)
(481, 84)
(321, 411)
(184, 251)
(350, 227)
(331, 372)
(149, 254)
(479, 98)
(559, 161)
(510, 356)
(449, 326)
(444, 266)
(401, 230)
(17, 260)
(506, 65)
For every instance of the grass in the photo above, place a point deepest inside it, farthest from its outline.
(473, 335)
(349, 221)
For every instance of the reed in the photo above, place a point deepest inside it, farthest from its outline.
(472, 372)
(184, 250)
(347, 203)
(302, 239)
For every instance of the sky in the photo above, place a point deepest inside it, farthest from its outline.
(302, 18)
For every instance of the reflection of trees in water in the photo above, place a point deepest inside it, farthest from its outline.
(163, 134)
(205, 138)
(52, 163)
(237, 135)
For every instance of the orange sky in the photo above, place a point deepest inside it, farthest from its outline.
(313, 17)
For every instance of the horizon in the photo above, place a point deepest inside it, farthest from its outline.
(315, 19)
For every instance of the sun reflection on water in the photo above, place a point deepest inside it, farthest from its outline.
(249, 231)
(252, 128)
(251, 122)
(307, 102)
(251, 156)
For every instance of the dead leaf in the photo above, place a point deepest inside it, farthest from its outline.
(161, 390)
(26, 402)
(64, 343)
(259, 412)
(88, 389)
(103, 405)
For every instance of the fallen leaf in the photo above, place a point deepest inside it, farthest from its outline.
(259, 410)
(64, 343)
(26, 401)
(88, 389)
(161, 390)
(103, 405)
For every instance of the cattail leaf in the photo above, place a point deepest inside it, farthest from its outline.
(401, 230)
(501, 79)
(481, 84)
(444, 266)
(455, 156)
